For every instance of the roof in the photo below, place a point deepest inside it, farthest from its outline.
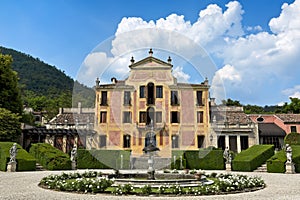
(289, 118)
(270, 129)
(73, 118)
(231, 117)
(44, 131)
(150, 61)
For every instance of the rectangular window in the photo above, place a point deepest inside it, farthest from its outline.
(175, 117)
(199, 116)
(200, 140)
(126, 141)
(174, 98)
(142, 91)
(175, 141)
(293, 129)
(159, 91)
(127, 98)
(244, 142)
(126, 117)
(103, 98)
(102, 141)
(143, 117)
(158, 117)
(199, 98)
(103, 116)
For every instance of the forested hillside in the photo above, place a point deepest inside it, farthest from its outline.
(44, 87)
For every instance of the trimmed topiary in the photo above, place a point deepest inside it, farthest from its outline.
(276, 164)
(102, 159)
(253, 157)
(50, 157)
(25, 161)
(205, 159)
(292, 139)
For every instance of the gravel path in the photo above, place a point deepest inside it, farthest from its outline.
(24, 185)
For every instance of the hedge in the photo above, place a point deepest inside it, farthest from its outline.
(25, 161)
(50, 157)
(208, 159)
(292, 139)
(253, 157)
(102, 159)
(276, 164)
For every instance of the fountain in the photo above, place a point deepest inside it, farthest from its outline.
(156, 180)
(151, 149)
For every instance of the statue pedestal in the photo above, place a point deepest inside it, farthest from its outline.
(228, 166)
(74, 166)
(12, 167)
(290, 168)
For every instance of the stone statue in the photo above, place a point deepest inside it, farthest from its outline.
(13, 152)
(74, 153)
(227, 155)
(289, 152)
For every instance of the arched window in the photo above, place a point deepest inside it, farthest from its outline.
(150, 94)
(150, 115)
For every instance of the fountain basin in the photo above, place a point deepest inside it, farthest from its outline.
(140, 180)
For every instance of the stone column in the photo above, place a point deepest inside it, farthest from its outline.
(64, 143)
(238, 141)
(226, 140)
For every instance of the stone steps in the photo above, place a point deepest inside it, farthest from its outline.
(262, 168)
(39, 167)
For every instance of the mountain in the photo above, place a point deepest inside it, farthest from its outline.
(39, 79)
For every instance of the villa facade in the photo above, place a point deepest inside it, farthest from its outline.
(151, 106)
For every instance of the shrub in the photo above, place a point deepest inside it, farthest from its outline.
(102, 159)
(292, 139)
(25, 161)
(253, 157)
(205, 159)
(50, 157)
(276, 163)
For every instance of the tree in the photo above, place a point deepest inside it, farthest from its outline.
(10, 97)
(230, 102)
(10, 126)
(293, 107)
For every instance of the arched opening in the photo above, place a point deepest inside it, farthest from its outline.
(150, 93)
(150, 115)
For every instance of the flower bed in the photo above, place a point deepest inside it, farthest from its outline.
(95, 182)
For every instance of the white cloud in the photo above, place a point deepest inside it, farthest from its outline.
(180, 75)
(254, 29)
(292, 92)
(256, 66)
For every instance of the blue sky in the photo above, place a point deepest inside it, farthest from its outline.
(256, 59)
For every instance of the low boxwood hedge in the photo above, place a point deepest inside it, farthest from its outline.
(25, 161)
(102, 159)
(253, 157)
(208, 159)
(50, 157)
(276, 164)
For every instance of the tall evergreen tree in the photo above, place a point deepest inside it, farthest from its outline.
(10, 97)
